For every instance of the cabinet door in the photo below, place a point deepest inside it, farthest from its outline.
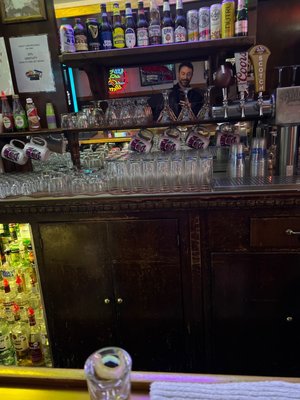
(148, 283)
(256, 313)
(76, 282)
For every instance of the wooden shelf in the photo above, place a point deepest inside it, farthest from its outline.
(152, 125)
(191, 51)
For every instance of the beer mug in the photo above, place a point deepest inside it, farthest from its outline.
(14, 153)
(37, 149)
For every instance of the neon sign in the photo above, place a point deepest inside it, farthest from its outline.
(117, 80)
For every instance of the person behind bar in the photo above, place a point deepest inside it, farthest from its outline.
(176, 94)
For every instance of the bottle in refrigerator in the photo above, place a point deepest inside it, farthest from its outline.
(8, 301)
(7, 352)
(35, 341)
(20, 338)
(241, 21)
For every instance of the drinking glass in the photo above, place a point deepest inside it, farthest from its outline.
(186, 113)
(166, 115)
(108, 374)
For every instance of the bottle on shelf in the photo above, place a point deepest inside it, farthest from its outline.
(180, 24)
(167, 31)
(241, 21)
(20, 338)
(7, 352)
(19, 114)
(35, 341)
(118, 28)
(7, 115)
(142, 26)
(32, 115)
(92, 31)
(130, 29)
(154, 28)
(106, 38)
(80, 36)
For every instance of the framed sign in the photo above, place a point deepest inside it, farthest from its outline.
(157, 74)
(13, 11)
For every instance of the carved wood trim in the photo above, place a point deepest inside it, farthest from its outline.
(91, 206)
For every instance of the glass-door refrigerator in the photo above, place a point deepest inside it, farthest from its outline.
(23, 328)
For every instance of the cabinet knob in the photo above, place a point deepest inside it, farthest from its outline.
(290, 232)
(106, 301)
(289, 319)
(119, 300)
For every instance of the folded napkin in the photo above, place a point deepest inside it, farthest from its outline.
(266, 390)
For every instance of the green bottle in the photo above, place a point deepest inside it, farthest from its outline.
(19, 115)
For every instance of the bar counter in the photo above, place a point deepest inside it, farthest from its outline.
(55, 384)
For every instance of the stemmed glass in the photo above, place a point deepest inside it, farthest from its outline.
(186, 113)
(166, 115)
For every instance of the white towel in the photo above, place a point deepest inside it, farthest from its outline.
(266, 390)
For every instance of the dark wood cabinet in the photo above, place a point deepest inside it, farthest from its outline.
(115, 283)
(254, 293)
(256, 313)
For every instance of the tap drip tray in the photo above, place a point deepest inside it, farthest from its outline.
(257, 183)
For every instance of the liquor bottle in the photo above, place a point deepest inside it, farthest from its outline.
(106, 38)
(21, 299)
(20, 338)
(32, 115)
(35, 341)
(167, 32)
(19, 114)
(80, 36)
(118, 29)
(130, 35)
(50, 116)
(8, 301)
(7, 352)
(180, 23)
(142, 26)
(154, 28)
(7, 115)
(241, 21)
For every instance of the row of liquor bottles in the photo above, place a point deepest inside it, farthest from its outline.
(220, 20)
(23, 333)
(15, 117)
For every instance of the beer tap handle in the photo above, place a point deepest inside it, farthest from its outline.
(259, 55)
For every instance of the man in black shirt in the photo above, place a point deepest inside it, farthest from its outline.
(176, 94)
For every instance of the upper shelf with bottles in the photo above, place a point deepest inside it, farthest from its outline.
(158, 53)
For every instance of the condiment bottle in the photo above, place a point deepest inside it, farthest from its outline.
(32, 115)
(7, 115)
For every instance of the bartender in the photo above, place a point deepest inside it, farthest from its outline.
(176, 94)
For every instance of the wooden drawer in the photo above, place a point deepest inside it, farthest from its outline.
(271, 232)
